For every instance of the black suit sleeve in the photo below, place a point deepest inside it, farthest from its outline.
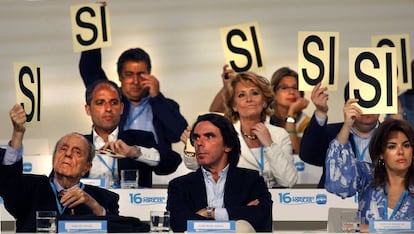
(90, 66)
(185, 197)
(315, 141)
(2, 153)
(107, 199)
(168, 117)
(169, 162)
(312, 150)
(242, 187)
(169, 159)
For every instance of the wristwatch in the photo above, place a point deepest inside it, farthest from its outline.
(209, 212)
(290, 119)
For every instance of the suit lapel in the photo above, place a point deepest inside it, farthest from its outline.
(231, 188)
(198, 189)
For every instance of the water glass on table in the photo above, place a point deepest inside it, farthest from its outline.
(160, 221)
(350, 221)
(129, 179)
(46, 221)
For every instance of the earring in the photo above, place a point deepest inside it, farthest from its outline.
(381, 163)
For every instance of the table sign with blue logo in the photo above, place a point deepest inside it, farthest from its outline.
(211, 226)
(391, 226)
(77, 226)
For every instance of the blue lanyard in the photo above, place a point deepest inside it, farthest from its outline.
(111, 169)
(133, 118)
(59, 206)
(261, 162)
(397, 206)
(360, 156)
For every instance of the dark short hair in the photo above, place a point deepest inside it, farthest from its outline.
(230, 136)
(136, 55)
(91, 88)
(378, 146)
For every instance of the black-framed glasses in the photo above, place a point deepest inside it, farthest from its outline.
(285, 88)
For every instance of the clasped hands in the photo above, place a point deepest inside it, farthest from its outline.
(76, 196)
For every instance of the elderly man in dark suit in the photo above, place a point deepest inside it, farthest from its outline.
(219, 190)
(62, 191)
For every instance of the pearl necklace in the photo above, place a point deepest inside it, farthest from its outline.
(253, 137)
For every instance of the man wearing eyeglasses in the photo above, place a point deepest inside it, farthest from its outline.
(145, 107)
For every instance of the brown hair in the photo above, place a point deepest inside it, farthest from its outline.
(279, 74)
(249, 79)
(378, 146)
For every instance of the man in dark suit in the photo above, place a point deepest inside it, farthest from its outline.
(104, 105)
(62, 191)
(145, 107)
(318, 134)
(219, 190)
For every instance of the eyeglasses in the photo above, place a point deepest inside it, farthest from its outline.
(286, 89)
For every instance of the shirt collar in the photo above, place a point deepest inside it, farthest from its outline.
(98, 141)
(141, 102)
(370, 133)
(60, 188)
(222, 173)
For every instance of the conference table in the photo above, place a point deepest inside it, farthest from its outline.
(298, 207)
(288, 204)
(294, 208)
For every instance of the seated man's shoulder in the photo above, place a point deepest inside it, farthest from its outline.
(137, 137)
(183, 179)
(337, 125)
(94, 190)
(246, 171)
(135, 132)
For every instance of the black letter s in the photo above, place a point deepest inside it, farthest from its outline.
(86, 25)
(367, 79)
(314, 60)
(238, 50)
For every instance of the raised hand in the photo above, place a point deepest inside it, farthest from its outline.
(319, 98)
(262, 133)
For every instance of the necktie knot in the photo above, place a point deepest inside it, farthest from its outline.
(61, 193)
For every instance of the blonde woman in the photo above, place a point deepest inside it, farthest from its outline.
(264, 147)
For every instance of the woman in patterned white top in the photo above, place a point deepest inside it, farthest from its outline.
(385, 187)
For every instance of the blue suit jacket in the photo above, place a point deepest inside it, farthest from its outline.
(315, 142)
(187, 195)
(24, 194)
(169, 159)
(167, 119)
